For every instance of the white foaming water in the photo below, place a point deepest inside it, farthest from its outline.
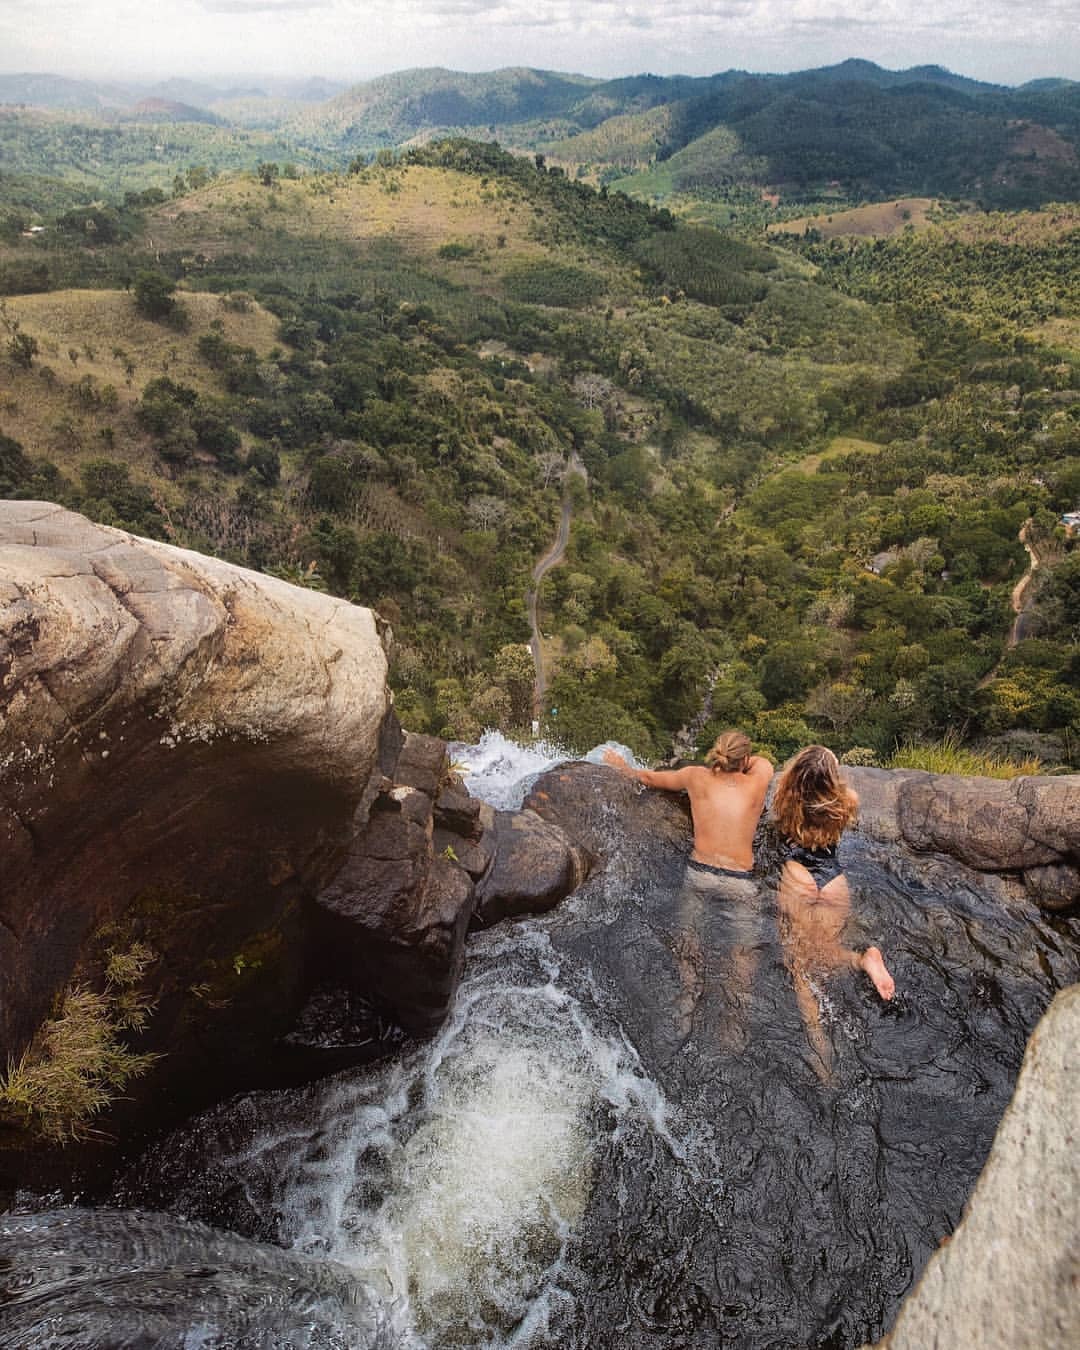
(451, 1182)
(500, 771)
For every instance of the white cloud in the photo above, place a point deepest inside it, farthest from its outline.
(261, 6)
(998, 39)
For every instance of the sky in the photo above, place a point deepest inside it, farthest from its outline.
(1006, 41)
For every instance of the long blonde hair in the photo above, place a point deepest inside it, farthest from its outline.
(729, 753)
(813, 804)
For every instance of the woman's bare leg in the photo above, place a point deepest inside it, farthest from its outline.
(810, 1009)
(801, 932)
(812, 921)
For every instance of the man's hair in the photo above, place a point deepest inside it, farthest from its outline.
(729, 754)
(813, 804)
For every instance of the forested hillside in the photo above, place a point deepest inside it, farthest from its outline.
(807, 466)
(842, 133)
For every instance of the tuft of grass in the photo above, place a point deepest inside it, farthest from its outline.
(123, 972)
(77, 1063)
(949, 756)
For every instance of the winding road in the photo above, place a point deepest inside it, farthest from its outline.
(552, 558)
(1019, 601)
(1020, 591)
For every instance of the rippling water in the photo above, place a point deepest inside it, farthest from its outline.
(621, 1138)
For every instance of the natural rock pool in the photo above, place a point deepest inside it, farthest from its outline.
(622, 1137)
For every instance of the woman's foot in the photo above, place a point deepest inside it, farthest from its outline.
(874, 965)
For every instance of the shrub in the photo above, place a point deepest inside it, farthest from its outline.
(862, 756)
(77, 1063)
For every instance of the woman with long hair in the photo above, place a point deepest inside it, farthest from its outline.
(812, 807)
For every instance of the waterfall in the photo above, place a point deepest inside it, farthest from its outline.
(612, 1142)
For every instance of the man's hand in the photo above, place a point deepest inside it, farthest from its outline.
(614, 760)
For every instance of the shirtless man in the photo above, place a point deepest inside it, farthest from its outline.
(726, 800)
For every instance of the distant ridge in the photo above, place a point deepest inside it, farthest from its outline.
(168, 110)
(854, 128)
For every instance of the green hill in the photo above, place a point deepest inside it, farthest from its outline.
(396, 108)
(845, 133)
(854, 127)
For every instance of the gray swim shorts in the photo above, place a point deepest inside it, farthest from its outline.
(721, 896)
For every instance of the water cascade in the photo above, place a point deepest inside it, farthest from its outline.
(621, 1137)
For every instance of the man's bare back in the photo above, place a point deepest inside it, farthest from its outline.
(726, 805)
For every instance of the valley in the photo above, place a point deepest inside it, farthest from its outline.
(366, 370)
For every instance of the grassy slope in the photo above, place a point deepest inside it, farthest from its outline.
(419, 210)
(50, 418)
(627, 141)
(756, 368)
(879, 220)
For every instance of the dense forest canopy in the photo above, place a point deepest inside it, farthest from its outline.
(805, 474)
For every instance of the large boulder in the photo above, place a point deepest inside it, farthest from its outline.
(1028, 828)
(589, 800)
(1008, 1278)
(394, 918)
(535, 866)
(185, 747)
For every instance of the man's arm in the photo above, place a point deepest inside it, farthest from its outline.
(671, 780)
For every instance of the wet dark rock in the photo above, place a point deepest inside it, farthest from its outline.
(455, 810)
(392, 922)
(592, 802)
(159, 1280)
(337, 1028)
(422, 763)
(396, 924)
(387, 863)
(536, 865)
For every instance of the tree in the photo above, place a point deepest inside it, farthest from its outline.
(22, 349)
(267, 172)
(840, 704)
(15, 467)
(550, 464)
(516, 672)
(154, 297)
(265, 462)
(486, 512)
(334, 484)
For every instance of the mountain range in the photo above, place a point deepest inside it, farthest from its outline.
(854, 127)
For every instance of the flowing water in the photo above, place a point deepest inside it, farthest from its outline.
(623, 1137)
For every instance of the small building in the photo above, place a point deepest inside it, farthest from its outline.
(1071, 521)
(880, 561)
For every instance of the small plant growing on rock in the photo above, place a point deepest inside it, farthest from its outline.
(77, 1064)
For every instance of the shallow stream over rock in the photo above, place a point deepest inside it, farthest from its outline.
(621, 1138)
